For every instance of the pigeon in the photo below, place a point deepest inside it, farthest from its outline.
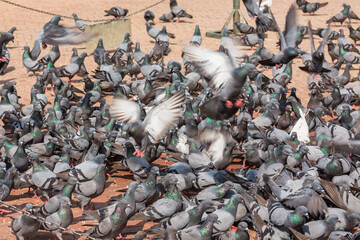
(63, 217)
(287, 42)
(203, 231)
(30, 64)
(54, 34)
(80, 24)
(165, 207)
(131, 113)
(111, 226)
(6, 185)
(196, 38)
(25, 226)
(320, 228)
(227, 214)
(188, 218)
(244, 28)
(241, 233)
(154, 32)
(167, 17)
(178, 11)
(99, 52)
(52, 56)
(73, 68)
(116, 12)
(149, 16)
(263, 23)
(341, 16)
(312, 7)
(281, 217)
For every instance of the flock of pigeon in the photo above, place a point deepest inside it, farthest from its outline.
(298, 172)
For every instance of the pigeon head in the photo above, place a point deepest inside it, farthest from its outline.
(12, 172)
(302, 210)
(29, 207)
(75, 16)
(6, 37)
(83, 55)
(332, 219)
(133, 185)
(65, 201)
(56, 19)
(33, 156)
(155, 170)
(212, 217)
(26, 48)
(243, 226)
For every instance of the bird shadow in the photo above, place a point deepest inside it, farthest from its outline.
(7, 80)
(9, 69)
(42, 235)
(135, 228)
(316, 14)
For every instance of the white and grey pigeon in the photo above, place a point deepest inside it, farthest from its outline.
(80, 24)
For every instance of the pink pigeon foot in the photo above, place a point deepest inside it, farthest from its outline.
(2, 211)
(137, 153)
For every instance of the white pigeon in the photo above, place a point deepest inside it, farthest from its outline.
(301, 128)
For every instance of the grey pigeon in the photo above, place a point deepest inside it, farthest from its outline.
(320, 228)
(241, 233)
(168, 205)
(167, 17)
(227, 214)
(54, 34)
(73, 68)
(203, 231)
(188, 218)
(111, 226)
(178, 11)
(24, 226)
(30, 64)
(116, 12)
(80, 24)
(62, 217)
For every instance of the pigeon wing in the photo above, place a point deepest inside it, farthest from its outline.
(125, 110)
(163, 116)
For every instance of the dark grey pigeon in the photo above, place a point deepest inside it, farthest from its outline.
(149, 16)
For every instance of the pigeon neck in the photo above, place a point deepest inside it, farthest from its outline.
(26, 54)
(65, 157)
(151, 180)
(67, 190)
(206, 228)
(173, 193)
